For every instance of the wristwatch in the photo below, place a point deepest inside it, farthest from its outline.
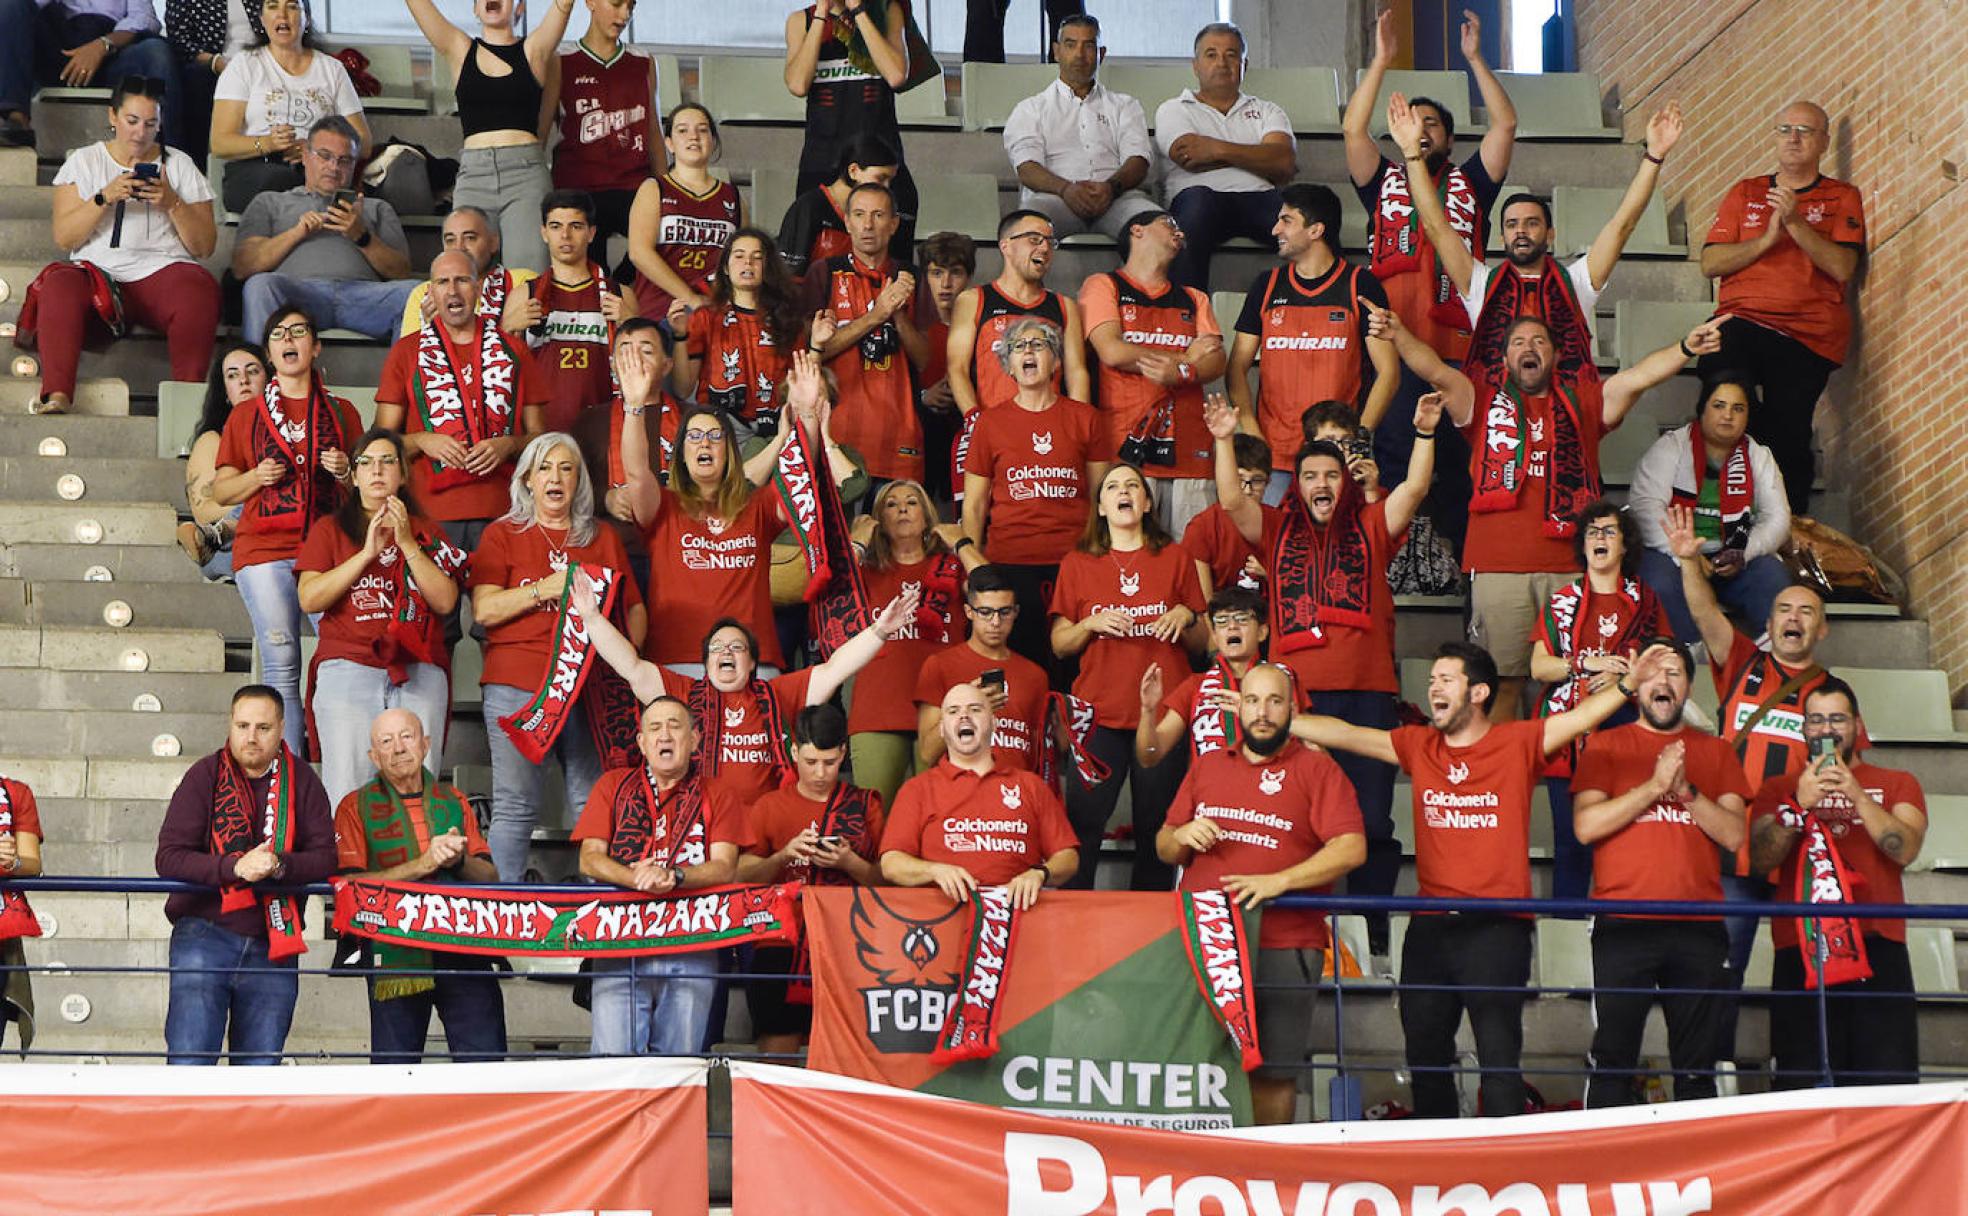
(362, 242)
(99, 200)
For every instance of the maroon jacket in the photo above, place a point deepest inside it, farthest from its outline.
(184, 846)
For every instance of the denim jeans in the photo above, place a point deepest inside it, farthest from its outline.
(347, 697)
(472, 1008)
(215, 975)
(1750, 593)
(274, 602)
(31, 55)
(371, 309)
(1209, 218)
(658, 1005)
(519, 785)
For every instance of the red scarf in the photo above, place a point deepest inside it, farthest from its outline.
(1506, 433)
(836, 592)
(1212, 729)
(970, 1029)
(482, 409)
(294, 503)
(1824, 878)
(960, 453)
(1070, 719)
(1576, 616)
(1505, 299)
(1399, 246)
(535, 726)
(16, 918)
(639, 829)
(707, 707)
(1218, 946)
(942, 591)
(669, 416)
(1738, 489)
(492, 292)
(1320, 577)
(415, 633)
(237, 829)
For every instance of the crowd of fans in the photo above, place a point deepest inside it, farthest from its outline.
(1068, 546)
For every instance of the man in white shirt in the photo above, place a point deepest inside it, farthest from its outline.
(1081, 150)
(1228, 154)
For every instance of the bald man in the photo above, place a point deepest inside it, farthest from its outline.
(478, 395)
(501, 290)
(407, 826)
(1265, 819)
(1785, 246)
(974, 820)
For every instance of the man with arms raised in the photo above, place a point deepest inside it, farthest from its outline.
(975, 821)
(1472, 781)
(1266, 818)
(1014, 684)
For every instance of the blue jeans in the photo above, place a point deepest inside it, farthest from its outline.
(371, 309)
(215, 975)
(659, 1005)
(519, 785)
(1210, 217)
(31, 56)
(471, 1006)
(1750, 593)
(348, 696)
(274, 603)
(1571, 862)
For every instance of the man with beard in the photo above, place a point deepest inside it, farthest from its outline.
(1204, 707)
(1848, 827)
(1532, 283)
(1325, 553)
(1655, 799)
(470, 231)
(975, 821)
(1472, 780)
(982, 315)
(1304, 325)
(1268, 818)
(1533, 432)
(1016, 686)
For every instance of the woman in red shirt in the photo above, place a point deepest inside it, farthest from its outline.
(1126, 597)
(518, 579)
(284, 454)
(907, 548)
(742, 341)
(380, 580)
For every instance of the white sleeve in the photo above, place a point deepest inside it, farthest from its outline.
(1023, 140)
(1170, 123)
(341, 89)
(1131, 126)
(1581, 277)
(1472, 300)
(186, 177)
(1653, 484)
(1771, 529)
(234, 83)
(83, 170)
(1276, 121)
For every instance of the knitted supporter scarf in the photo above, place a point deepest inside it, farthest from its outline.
(492, 292)
(1321, 576)
(1578, 616)
(707, 708)
(846, 816)
(836, 593)
(970, 1030)
(1399, 246)
(535, 726)
(942, 591)
(1738, 488)
(1219, 954)
(482, 409)
(646, 821)
(415, 633)
(1071, 719)
(1824, 878)
(390, 839)
(310, 491)
(1505, 436)
(669, 416)
(16, 918)
(1211, 728)
(1505, 299)
(960, 452)
(238, 828)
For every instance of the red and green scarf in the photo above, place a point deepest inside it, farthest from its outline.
(390, 839)
(482, 409)
(1218, 945)
(1736, 495)
(836, 593)
(1505, 436)
(311, 491)
(16, 918)
(237, 828)
(574, 678)
(1508, 296)
(1399, 246)
(970, 1030)
(1823, 878)
(1211, 728)
(1068, 720)
(1320, 577)
(415, 633)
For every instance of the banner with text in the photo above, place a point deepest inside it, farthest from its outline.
(1101, 1015)
(564, 1136)
(1864, 1152)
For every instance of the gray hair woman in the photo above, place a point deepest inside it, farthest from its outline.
(518, 579)
(1030, 353)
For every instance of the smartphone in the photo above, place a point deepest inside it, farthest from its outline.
(345, 198)
(1359, 445)
(992, 675)
(833, 842)
(1824, 748)
(145, 171)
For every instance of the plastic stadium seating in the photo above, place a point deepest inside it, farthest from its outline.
(1902, 706)
(1581, 211)
(772, 193)
(1946, 846)
(1564, 955)
(958, 202)
(748, 88)
(392, 66)
(1930, 950)
(1151, 84)
(1642, 327)
(1557, 105)
(1451, 88)
(1309, 96)
(991, 91)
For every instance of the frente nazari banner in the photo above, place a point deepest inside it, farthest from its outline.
(1884, 1151)
(1102, 1016)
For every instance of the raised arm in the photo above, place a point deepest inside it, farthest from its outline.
(1716, 632)
(446, 39)
(636, 373)
(1247, 515)
(858, 650)
(645, 679)
(1405, 499)
(1561, 729)
(1458, 394)
(1501, 139)
(543, 42)
(1337, 734)
(1625, 388)
(1404, 127)
(1362, 153)
(1078, 380)
(1663, 130)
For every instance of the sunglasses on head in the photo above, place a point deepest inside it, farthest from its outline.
(141, 86)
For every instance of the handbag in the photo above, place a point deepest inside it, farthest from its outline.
(104, 297)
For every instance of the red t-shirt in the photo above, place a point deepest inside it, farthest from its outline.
(1472, 809)
(779, 816)
(1744, 679)
(352, 838)
(257, 541)
(1036, 462)
(738, 367)
(356, 627)
(1273, 814)
(750, 760)
(701, 570)
(1212, 539)
(518, 650)
(723, 820)
(883, 691)
(1166, 322)
(1662, 854)
(1784, 290)
(489, 496)
(996, 825)
(1352, 659)
(1513, 541)
(1877, 876)
(20, 799)
(1020, 724)
(1144, 585)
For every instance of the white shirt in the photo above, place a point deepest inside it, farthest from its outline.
(1248, 122)
(1080, 139)
(1578, 272)
(148, 242)
(273, 97)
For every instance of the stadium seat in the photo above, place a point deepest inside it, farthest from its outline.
(179, 403)
(1557, 105)
(1930, 949)
(772, 193)
(958, 202)
(393, 68)
(1564, 955)
(992, 90)
(1902, 706)
(1151, 84)
(669, 82)
(748, 88)
(926, 105)
(1228, 306)
(1946, 845)
(1309, 96)
(1451, 88)
(1581, 211)
(1642, 327)
(1352, 216)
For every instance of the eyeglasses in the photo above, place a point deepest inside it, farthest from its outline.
(994, 614)
(695, 436)
(1252, 485)
(1835, 721)
(1034, 239)
(732, 648)
(1032, 345)
(381, 462)
(1603, 532)
(1223, 620)
(299, 329)
(329, 158)
(1785, 130)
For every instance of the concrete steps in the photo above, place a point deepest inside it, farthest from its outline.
(82, 648)
(147, 779)
(169, 605)
(87, 523)
(67, 732)
(124, 563)
(82, 478)
(101, 438)
(117, 690)
(107, 820)
(94, 396)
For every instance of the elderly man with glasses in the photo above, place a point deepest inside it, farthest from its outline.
(323, 247)
(1785, 246)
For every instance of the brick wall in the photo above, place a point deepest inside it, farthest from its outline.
(1894, 76)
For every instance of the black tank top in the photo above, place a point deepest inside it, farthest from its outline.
(846, 98)
(498, 103)
(996, 312)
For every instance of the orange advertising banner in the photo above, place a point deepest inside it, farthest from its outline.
(572, 1137)
(1849, 1152)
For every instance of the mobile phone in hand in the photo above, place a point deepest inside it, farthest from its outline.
(1824, 749)
(145, 171)
(344, 198)
(992, 676)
